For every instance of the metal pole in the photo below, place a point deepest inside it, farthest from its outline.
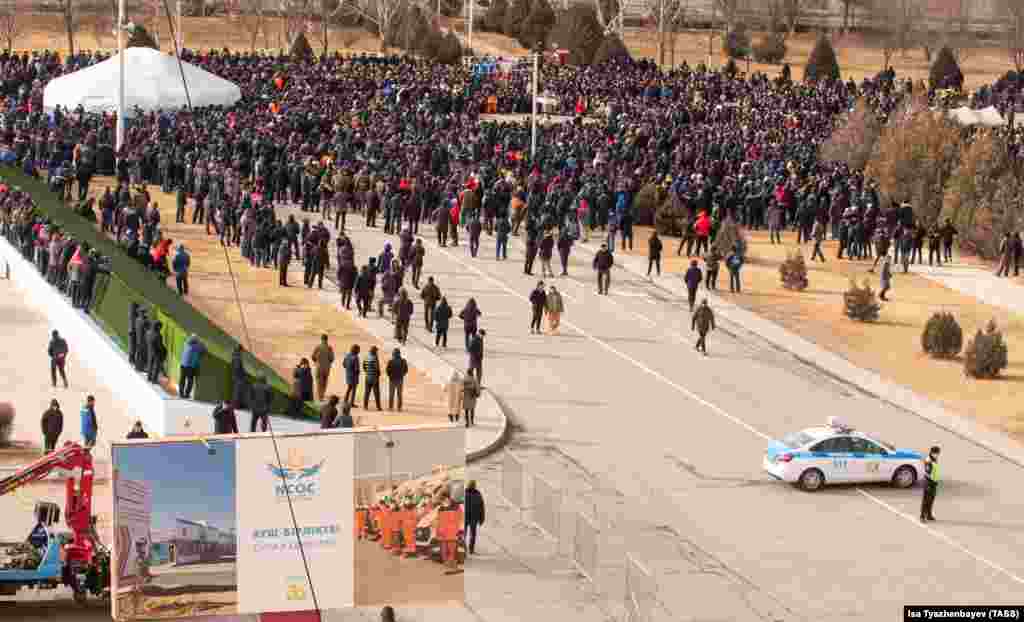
(469, 39)
(661, 35)
(533, 110)
(181, 33)
(121, 78)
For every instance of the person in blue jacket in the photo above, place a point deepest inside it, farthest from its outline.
(191, 357)
(180, 265)
(90, 426)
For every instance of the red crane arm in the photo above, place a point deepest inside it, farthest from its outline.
(78, 503)
(69, 457)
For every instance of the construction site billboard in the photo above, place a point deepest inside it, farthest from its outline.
(252, 525)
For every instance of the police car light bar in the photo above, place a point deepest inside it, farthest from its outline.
(838, 424)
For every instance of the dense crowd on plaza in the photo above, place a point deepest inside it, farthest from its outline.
(401, 143)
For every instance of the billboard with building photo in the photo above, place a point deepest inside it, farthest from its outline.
(227, 522)
(192, 492)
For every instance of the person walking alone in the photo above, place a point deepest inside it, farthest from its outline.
(538, 300)
(931, 484)
(555, 308)
(885, 278)
(734, 262)
(53, 425)
(703, 321)
(603, 262)
(654, 253)
(180, 264)
(323, 358)
(442, 319)
(58, 351)
(90, 425)
(475, 512)
(692, 278)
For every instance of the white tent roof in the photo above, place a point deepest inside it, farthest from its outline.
(988, 117)
(152, 82)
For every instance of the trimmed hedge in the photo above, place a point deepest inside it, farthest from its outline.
(130, 282)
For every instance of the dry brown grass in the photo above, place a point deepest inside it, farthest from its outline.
(285, 323)
(892, 346)
(857, 58)
(46, 31)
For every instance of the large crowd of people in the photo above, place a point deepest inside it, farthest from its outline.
(401, 142)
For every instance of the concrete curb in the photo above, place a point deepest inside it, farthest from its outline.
(836, 366)
(482, 440)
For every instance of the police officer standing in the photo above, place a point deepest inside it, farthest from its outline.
(931, 484)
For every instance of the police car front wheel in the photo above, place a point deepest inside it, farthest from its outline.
(904, 477)
(811, 480)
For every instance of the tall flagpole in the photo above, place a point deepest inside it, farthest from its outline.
(533, 110)
(121, 78)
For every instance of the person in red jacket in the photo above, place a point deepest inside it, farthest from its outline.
(702, 229)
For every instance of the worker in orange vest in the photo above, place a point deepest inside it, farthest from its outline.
(449, 519)
(409, 521)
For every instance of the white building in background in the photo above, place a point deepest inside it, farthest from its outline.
(200, 542)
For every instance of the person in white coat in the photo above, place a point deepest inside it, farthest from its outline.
(453, 392)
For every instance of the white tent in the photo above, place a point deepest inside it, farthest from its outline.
(989, 117)
(152, 82)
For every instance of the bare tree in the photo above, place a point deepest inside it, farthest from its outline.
(729, 10)
(381, 14)
(102, 27)
(849, 10)
(11, 24)
(252, 16)
(1013, 12)
(296, 17)
(71, 22)
(609, 15)
(898, 23)
(666, 15)
(329, 11)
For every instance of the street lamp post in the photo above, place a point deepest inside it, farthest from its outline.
(533, 110)
(121, 78)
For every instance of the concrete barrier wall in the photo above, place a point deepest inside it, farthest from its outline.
(104, 356)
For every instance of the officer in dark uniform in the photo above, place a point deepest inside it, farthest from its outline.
(931, 484)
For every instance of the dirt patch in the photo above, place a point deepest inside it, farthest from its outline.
(20, 453)
(891, 346)
(285, 323)
(46, 31)
(857, 58)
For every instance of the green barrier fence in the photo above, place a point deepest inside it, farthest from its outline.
(131, 282)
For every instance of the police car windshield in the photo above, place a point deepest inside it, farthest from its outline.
(797, 439)
(886, 446)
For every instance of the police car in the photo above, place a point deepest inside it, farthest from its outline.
(838, 454)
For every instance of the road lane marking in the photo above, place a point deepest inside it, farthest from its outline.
(736, 420)
(608, 347)
(944, 538)
(719, 411)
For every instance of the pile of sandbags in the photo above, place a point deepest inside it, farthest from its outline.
(21, 556)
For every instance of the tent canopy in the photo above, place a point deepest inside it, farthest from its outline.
(152, 82)
(988, 117)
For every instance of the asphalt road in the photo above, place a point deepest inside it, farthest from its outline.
(679, 439)
(220, 574)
